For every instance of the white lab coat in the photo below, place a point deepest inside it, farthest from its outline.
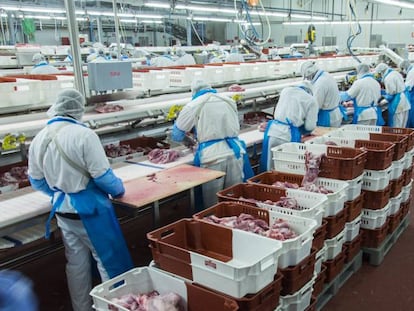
(162, 61)
(215, 117)
(186, 59)
(300, 108)
(394, 83)
(366, 91)
(409, 79)
(43, 68)
(82, 146)
(216, 60)
(326, 94)
(234, 57)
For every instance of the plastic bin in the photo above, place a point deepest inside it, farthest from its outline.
(319, 282)
(376, 180)
(373, 238)
(408, 176)
(339, 163)
(334, 246)
(352, 248)
(397, 169)
(292, 250)
(352, 229)
(408, 159)
(295, 277)
(355, 187)
(311, 205)
(396, 186)
(146, 279)
(336, 199)
(394, 221)
(150, 79)
(334, 267)
(298, 301)
(377, 199)
(319, 258)
(319, 236)
(19, 92)
(215, 256)
(406, 191)
(335, 224)
(394, 205)
(354, 208)
(373, 219)
(405, 207)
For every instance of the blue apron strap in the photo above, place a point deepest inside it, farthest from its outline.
(343, 111)
(295, 134)
(265, 147)
(409, 93)
(380, 119)
(201, 146)
(392, 108)
(324, 117)
(56, 204)
(247, 167)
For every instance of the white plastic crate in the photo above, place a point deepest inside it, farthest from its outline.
(184, 77)
(376, 180)
(406, 191)
(373, 219)
(151, 79)
(214, 74)
(296, 249)
(395, 204)
(408, 160)
(300, 300)
(397, 168)
(334, 245)
(336, 199)
(319, 258)
(311, 205)
(23, 92)
(352, 229)
(251, 269)
(252, 70)
(138, 280)
(355, 186)
(295, 152)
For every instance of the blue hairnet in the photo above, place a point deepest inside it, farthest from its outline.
(69, 103)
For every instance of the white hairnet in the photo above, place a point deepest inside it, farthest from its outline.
(198, 85)
(308, 69)
(362, 69)
(37, 58)
(69, 51)
(307, 86)
(180, 52)
(381, 69)
(69, 103)
(234, 50)
(404, 65)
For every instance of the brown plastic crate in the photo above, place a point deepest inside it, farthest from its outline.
(352, 248)
(374, 238)
(319, 236)
(334, 266)
(200, 298)
(376, 199)
(312, 305)
(396, 186)
(380, 153)
(250, 191)
(400, 142)
(170, 245)
(394, 221)
(401, 131)
(295, 277)
(270, 177)
(408, 175)
(405, 207)
(343, 163)
(319, 282)
(354, 207)
(335, 224)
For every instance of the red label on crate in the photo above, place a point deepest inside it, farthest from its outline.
(211, 264)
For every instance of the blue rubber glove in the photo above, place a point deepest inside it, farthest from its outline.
(41, 185)
(110, 184)
(177, 134)
(345, 96)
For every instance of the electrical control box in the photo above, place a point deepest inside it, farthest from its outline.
(109, 75)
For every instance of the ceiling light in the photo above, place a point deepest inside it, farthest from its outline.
(400, 4)
(157, 5)
(148, 16)
(212, 19)
(35, 16)
(151, 22)
(276, 14)
(304, 16)
(128, 21)
(204, 9)
(375, 22)
(42, 10)
(125, 15)
(244, 23)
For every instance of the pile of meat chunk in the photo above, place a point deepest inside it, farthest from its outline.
(105, 108)
(115, 151)
(16, 175)
(152, 301)
(280, 230)
(308, 187)
(162, 156)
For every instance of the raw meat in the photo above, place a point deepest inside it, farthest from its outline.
(115, 151)
(152, 301)
(312, 163)
(288, 203)
(285, 184)
(262, 126)
(163, 156)
(308, 187)
(331, 143)
(16, 175)
(280, 230)
(105, 108)
(236, 88)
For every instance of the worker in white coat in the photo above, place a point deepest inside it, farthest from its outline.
(163, 61)
(68, 58)
(234, 56)
(296, 114)
(398, 105)
(68, 163)
(407, 68)
(365, 93)
(216, 122)
(184, 58)
(326, 93)
(42, 66)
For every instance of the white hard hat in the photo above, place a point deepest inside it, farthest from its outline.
(69, 103)
(308, 69)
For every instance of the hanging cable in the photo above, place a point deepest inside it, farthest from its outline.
(196, 33)
(3, 38)
(353, 19)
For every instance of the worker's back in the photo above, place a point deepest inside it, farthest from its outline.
(44, 68)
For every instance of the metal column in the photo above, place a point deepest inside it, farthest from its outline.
(12, 35)
(74, 42)
(99, 29)
(118, 44)
(189, 33)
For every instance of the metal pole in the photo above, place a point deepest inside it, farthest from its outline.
(10, 21)
(189, 33)
(99, 28)
(118, 44)
(370, 26)
(74, 42)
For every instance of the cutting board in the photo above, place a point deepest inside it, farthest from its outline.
(146, 190)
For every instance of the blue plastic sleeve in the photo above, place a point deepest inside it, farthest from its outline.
(110, 184)
(177, 134)
(41, 185)
(344, 96)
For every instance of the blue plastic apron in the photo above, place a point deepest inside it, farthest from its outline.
(410, 97)
(393, 102)
(40, 64)
(294, 134)
(324, 115)
(99, 219)
(232, 143)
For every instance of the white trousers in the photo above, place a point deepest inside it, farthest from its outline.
(78, 248)
(400, 119)
(368, 122)
(233, 168)
(273, 142)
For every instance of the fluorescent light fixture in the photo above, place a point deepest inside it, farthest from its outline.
(10, 8)
(151, 22)
(100, 13)
(210, 19)
(134, 21)
(376, 22)
(148, 16)
(129, 21)
(35, 16)
(81, 19)
(204, 8)
(157, 5)
(276, 14)
(42, 10)
(400, 4)
(304, 16)
(125, 15)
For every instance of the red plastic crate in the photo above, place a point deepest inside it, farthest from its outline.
(319, 236)
(400, 141)
(374, 238)
(401, 131)
(376, 199)
(380, 153)
(352, 248)
(270, 177)
(335, 224)
(319, 282)
(396, 186)
(354, 207)
(295, 277)
(394, 221)
(334, 267)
